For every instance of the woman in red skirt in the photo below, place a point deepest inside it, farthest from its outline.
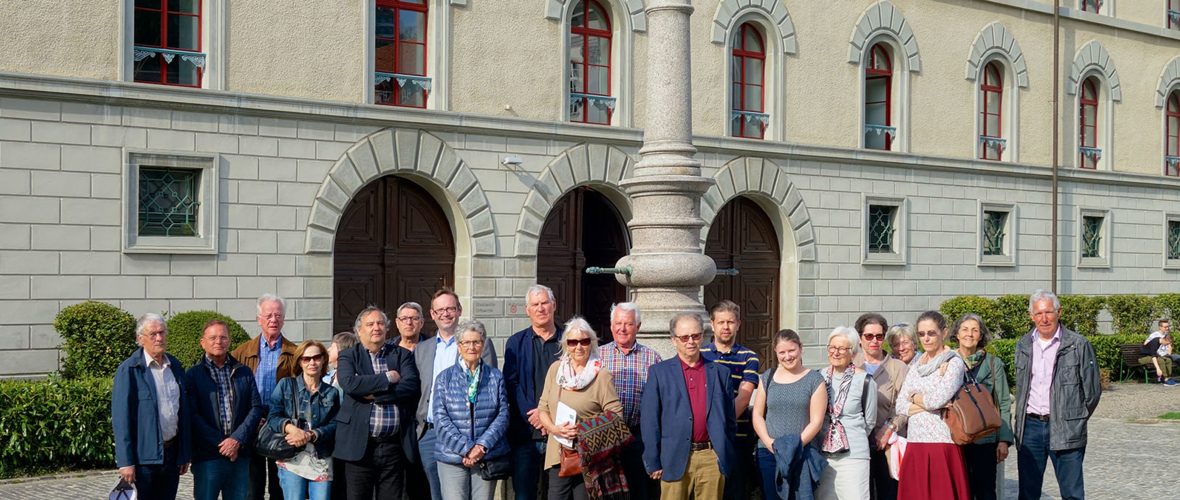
(932, 468)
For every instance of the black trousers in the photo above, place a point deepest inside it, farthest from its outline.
(263, 471)
(381, 471)
(882, 486)
(980, 460)
(566, 488)
(159, 482)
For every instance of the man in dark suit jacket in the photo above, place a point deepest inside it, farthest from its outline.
(690, 459)
(375, 426)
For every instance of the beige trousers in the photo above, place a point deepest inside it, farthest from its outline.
(702, 479)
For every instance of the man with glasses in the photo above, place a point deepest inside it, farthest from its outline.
(687, 447)
(742, 363)
(433, 355)
(271, 357)
(527, 357)
(628, 362)
(409, 321)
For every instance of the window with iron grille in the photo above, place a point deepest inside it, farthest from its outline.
(882, 229)
(995, 230)
(1092, 235)
(169, 201)
(1174, 240)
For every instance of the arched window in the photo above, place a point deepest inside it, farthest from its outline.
(1088, 120)
(168, 43)
(590, 68)
(879, 130)
(400, 52)
(1094, 6)
(991, 95)
(1172, 151)
(748, 68)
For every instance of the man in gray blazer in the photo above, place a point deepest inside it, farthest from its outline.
(432, 356)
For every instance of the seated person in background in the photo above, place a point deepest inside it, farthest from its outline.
(1157, 352)
(1165, 326)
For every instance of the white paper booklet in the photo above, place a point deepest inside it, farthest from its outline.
(564, 414)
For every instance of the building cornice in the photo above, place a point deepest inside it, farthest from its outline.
(1090, 17)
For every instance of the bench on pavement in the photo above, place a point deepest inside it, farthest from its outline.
(1131, 354)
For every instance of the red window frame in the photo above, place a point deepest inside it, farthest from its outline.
(1172, 131)
(163, 12)
(741, 53)
(987, 93)
(879, 52)
(1088, 105)
(1086, 6)
(397, 6)
(1172, 5)
(587, 32)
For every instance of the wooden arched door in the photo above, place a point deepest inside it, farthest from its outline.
(743, 238)
(583, 229)
(393, 245)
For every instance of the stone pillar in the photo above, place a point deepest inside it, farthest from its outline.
(668, 267)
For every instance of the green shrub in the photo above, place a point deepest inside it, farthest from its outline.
(1005, 349)
(1169, 306)
(97, 336)
(1080, 313)
(55, 424)
(1108, 351)
(184, 334)
(1014, 321)
(958, 306)
(1132, 314)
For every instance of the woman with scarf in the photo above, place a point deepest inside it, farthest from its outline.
(933, 466)
(576, 381)
(983, 456)
(851, 414)
(470, 418)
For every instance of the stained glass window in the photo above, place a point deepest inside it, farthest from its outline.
(1091, 236)
(168, 201)
(994, 232)
(881, 228)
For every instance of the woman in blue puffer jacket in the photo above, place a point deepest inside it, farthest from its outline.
(470, 419)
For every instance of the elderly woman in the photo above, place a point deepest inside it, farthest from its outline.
(851, 414)
(304, 408)
(903, 342)
(470, 418)
(791, 400)
(889, 374)
(982, 456)
(578, 381)
(933, 465)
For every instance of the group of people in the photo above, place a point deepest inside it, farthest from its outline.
(382, 415)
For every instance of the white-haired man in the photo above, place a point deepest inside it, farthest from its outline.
(628, 362)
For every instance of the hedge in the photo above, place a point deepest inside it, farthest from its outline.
(52, 425)
(184, 335)
(1007, 316)
(97, 336)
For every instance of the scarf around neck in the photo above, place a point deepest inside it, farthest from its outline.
(472, 378)
(567, 379)
(836, 440)
(932, 365)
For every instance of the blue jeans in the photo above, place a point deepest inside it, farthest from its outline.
(159, 482)
(526, 469)
(1034, 449)
(221, 477)
(426, 451)
(768, 467)
(298, 488)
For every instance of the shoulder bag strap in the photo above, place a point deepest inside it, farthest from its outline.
(864, 394)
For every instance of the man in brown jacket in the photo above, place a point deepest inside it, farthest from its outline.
(889, 373)
(271, 361)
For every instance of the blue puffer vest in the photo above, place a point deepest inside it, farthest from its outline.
(452, 415)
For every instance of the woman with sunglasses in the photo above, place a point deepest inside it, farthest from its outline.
(304, 408)
(933, 466)
(578, 381)
(851, 413)
(983, 456)
(889, 373)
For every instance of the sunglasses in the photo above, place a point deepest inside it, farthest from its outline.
(307, 359)
(576, 342)
(695, 337)
(931, 333)
(870, 336)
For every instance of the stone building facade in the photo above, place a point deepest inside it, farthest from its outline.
(279, 135)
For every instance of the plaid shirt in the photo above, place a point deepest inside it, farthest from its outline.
(268, 364)
(225, 393)
(630, 374)
(384, 420)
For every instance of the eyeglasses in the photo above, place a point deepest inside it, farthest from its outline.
(409, 319)
(695, 337)
(931, 333)
(842, 350)
(451, 310)
(272, 316)
(870, 336)
(473, 343)
(309, 359)
(576, 342)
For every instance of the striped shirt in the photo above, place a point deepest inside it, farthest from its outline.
(630, 374)
(743, 367)
(225, 393)
(268, 364)
(384, 420)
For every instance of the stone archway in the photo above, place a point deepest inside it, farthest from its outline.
(1093, 57)
(992, 39)
(883, 17)
(774, 11)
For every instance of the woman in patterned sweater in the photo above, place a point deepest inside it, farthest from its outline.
(933, 466)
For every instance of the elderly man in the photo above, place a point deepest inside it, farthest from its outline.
(434, 355)
(150, 414)
(1057, 390)
(375, 426)
(409, 321)
(227, 409)
(527, 357)
(686, 446)
(742, 363)
(628, 362)
(271, 357)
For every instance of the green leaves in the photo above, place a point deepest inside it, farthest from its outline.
(98, 336)
(55, 424)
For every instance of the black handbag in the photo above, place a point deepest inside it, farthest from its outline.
(274, 445)
(491, 469)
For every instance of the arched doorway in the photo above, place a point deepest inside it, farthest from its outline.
(742, 237)
(393, 245)
(583, 229)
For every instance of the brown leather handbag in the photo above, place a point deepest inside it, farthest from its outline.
(571, 461)
(972, 414)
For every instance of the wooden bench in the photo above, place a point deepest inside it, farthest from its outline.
(1131, 354)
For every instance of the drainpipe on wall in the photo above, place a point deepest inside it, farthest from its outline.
(1056, 125)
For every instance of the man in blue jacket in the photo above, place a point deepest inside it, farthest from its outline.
(150, 414)
(227, 409)
(688, 447)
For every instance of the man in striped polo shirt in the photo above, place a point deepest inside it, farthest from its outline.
(742, 363)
